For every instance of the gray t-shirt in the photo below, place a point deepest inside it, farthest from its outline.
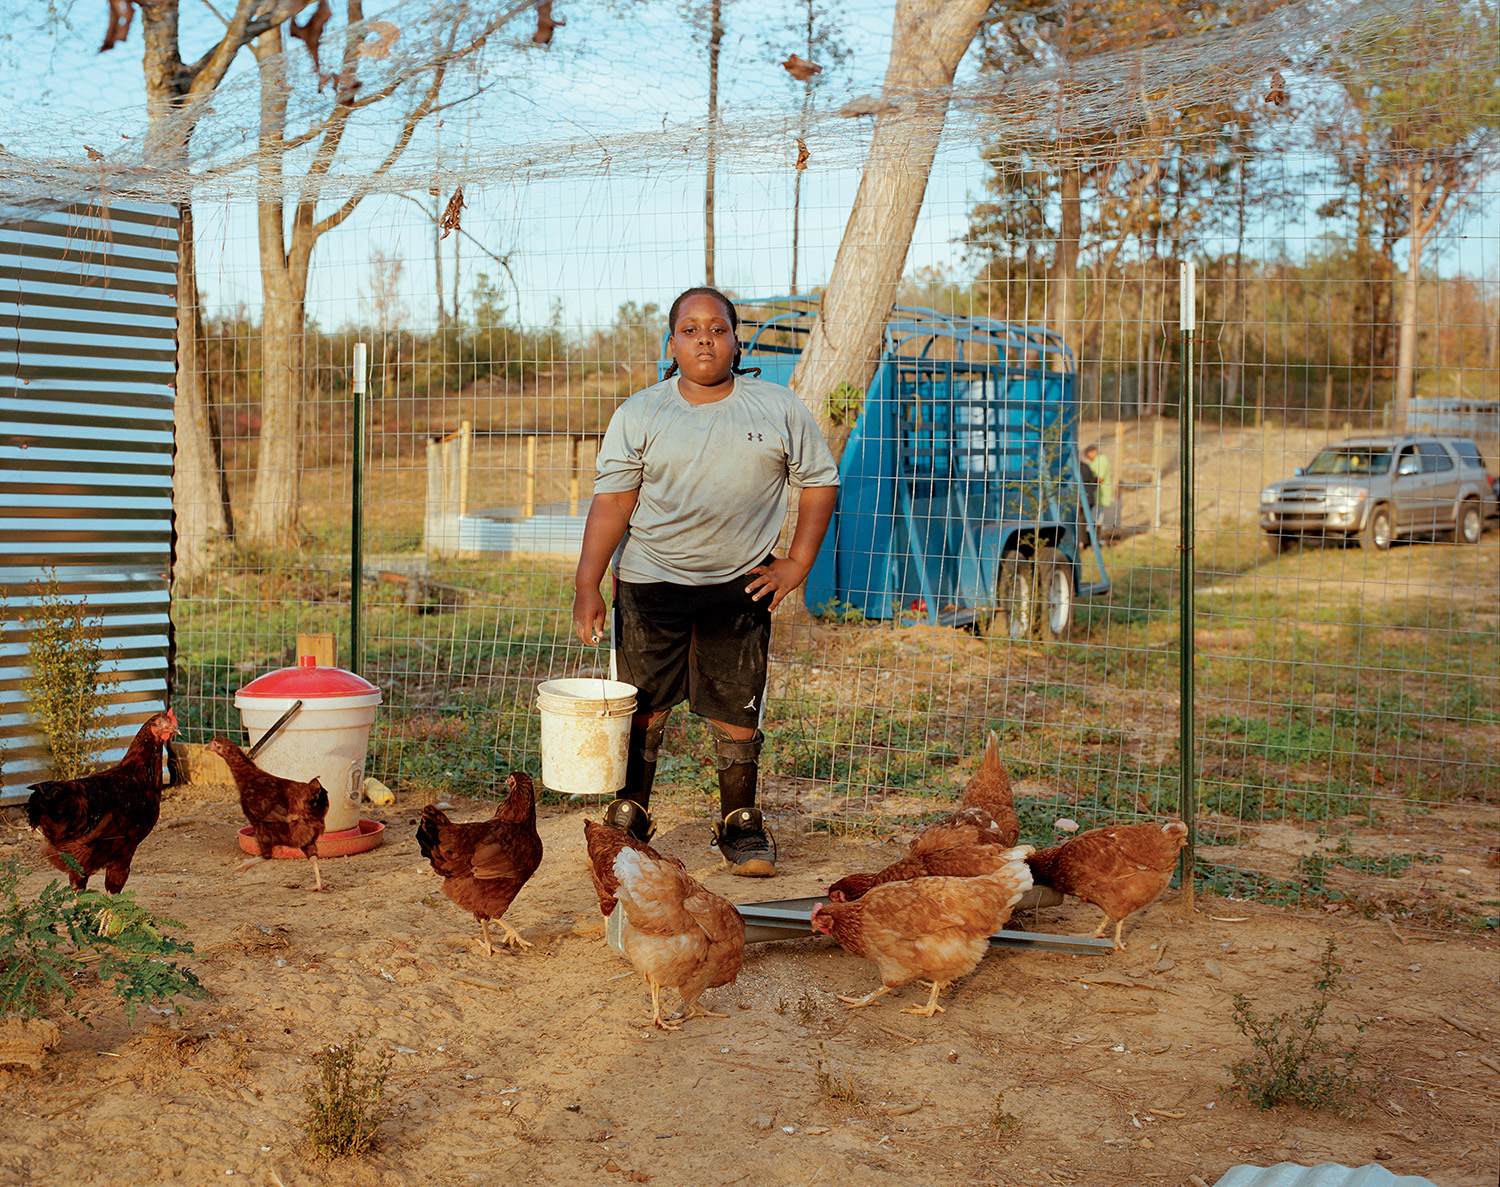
(712, 478)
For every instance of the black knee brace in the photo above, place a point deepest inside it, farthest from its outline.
(640, 761)
(739, 768)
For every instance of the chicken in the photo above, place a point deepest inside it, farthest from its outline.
(962, 861)
(603, 844)
(1120, 868)
(936, 929)
(485, 864)
(675, 931)
(100, 819)
(281, 811)
(987, 810)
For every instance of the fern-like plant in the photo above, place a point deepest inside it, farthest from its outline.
(62, 686)
(46, 942)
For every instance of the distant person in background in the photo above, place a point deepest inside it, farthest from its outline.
(689, 499)
(1101, 490)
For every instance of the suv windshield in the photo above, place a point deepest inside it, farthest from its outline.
(1346, 459)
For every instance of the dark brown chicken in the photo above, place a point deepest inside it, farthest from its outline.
(604, 845)
(987, 810)
(937, 929)
(99, 820)
(963, 861)
(484, 864)
(1120, 868)
(675, 931)
(281, 811)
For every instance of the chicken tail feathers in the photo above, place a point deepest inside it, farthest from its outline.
(428, 839)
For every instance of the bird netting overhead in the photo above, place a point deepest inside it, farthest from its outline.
(529, 91)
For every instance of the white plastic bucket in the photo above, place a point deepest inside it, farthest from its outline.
(585, 734)
(328, 737)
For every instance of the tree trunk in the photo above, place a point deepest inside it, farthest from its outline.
(200, 496)
(715, 37)
(844, 346)
(1065, 319)
(1406, 342)
(276, 492)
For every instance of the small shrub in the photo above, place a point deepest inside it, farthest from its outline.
(65, 654)
(840, 1091)
(348, 1102)
(47, 943)
(1292, 1060)
(1003, 1122)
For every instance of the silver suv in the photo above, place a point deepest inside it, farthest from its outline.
(1377, 488)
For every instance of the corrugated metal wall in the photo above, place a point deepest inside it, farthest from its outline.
(87, 355)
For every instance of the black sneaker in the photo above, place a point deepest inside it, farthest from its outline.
(630, 818)
(746, 844)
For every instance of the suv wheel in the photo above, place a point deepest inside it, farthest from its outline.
(1376, 533)
(1470, 523)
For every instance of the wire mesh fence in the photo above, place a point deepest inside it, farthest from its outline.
(1345, 682)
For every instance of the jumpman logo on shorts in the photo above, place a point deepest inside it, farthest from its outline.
(750, 704)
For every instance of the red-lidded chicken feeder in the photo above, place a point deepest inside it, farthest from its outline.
(328, 736)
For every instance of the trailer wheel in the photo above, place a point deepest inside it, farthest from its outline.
(1054, 583)
(1016, 615)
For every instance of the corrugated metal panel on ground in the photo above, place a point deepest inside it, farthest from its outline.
(88, 313)
(1327, 1174)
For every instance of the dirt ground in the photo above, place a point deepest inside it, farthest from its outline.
(540, 1066)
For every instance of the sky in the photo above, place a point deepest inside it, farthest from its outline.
(587, 227)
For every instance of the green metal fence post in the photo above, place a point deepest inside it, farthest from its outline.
(357, 520)
(1188, 792)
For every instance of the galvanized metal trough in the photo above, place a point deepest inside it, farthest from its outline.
(788, 919)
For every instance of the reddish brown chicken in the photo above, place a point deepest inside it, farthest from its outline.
(485, 864)
(281, 811)
(965, 861)
(987, 810)
(1120, 868)
(604, 844)
(100, 819)
(936, 929)
(675, 931)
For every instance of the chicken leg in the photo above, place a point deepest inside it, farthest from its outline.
(859, 1003)
(691, 1009)
(931, 1007)
(1119, 926)
(656, 1019)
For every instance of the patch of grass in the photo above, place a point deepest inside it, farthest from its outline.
(1226, 881)
(1293, 1059)
(1004, 1123)
(347, 1104)
(834, 1088)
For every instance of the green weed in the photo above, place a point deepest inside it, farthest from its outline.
(834, 1088)
(1293, 1058)
(65, 657)
(347, 1104)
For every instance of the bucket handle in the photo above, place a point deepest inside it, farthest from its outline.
(271, 733)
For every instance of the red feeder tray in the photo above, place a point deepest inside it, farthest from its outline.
(366, 836)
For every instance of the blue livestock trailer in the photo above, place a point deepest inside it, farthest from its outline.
(962, 500)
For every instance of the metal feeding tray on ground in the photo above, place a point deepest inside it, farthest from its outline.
(787, 919)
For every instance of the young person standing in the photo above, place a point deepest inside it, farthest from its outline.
(689, 499)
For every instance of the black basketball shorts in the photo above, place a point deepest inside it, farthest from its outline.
(703, 644)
